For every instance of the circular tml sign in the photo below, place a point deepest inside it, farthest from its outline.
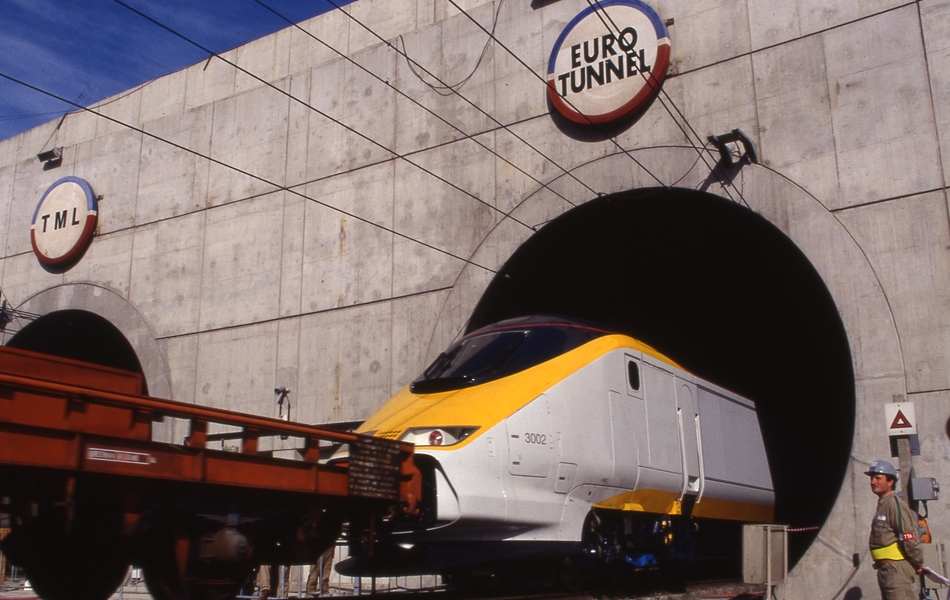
(64, 221)
(609, 62)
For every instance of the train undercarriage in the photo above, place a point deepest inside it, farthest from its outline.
(615, 547)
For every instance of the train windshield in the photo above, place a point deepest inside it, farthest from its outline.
(501, 350)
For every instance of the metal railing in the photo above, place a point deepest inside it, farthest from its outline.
(292, 582)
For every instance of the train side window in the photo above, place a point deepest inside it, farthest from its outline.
(633, 375)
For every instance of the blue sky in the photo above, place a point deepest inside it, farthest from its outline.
(88, 50)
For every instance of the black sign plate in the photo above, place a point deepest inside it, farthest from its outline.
(374, 469)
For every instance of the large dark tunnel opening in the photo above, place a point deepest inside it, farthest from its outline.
(78, 335)
(722, 291)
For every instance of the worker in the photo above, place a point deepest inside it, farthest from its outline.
(894, 546)
(265, 575)
(320, 571)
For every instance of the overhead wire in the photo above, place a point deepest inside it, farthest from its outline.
(395, 155)
(472, 137)
(608, 21)
(599, 9)
(449, 89)
(411, 62)
(491, 37)
(613, 139)
(30, 115)
(276, 186)
(514, 134)
(349, 128)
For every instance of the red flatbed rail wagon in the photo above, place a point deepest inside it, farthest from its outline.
(87, 491)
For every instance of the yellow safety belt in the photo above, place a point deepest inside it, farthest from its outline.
(896, 550)
(892, 552)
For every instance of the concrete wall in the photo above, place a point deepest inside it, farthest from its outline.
(309, 226)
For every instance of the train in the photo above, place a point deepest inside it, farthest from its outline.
(550, 441)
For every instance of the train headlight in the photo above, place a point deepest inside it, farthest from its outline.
(436, 436)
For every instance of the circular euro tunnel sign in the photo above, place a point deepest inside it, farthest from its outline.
(64, 221)
(609, 62)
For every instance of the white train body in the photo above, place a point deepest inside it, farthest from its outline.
(609, 425)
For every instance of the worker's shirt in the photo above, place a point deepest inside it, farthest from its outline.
(893, 540)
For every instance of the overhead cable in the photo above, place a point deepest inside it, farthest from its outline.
(532, 71)
(277, 187)
(608, 21)
(323, 114)
(449, 89)
(468, 136)
(507, 128)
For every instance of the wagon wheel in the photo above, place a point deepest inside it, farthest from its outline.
(173, 571)
(572, 576)
(84, 561)
(70, 569)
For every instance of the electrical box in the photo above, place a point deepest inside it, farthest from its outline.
(924, 489)
(764, 554)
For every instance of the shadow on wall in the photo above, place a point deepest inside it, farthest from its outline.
(725, 293)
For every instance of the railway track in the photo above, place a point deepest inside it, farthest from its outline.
(630, 590)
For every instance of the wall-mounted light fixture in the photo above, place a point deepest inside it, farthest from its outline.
(51, 158)
(283, 405)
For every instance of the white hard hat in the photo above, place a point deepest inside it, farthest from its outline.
(882, 467)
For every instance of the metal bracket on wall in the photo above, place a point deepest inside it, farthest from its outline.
(736, 136)
(10, 315)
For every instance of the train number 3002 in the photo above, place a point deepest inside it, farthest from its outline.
(535, 438)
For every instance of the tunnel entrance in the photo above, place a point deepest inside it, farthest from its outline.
(79, 335)
(719, 289)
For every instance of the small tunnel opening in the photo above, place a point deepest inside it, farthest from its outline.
(719, 289)
(78, 335)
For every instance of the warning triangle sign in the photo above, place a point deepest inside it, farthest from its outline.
(900, 421)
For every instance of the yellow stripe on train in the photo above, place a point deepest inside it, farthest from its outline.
(667, 503)
(497, 400)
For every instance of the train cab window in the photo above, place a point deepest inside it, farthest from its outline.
(500, 350)
(633, 375)
(476, 355)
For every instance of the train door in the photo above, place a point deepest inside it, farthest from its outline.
(661, 414)
(628, 422)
